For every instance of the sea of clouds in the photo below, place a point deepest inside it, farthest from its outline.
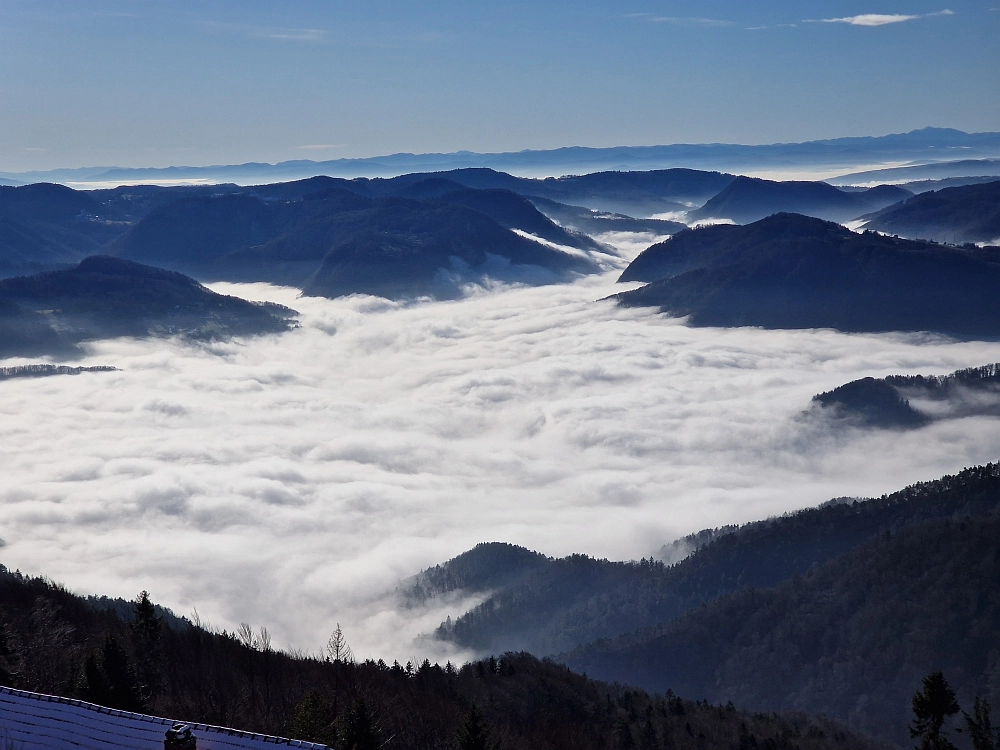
(292, 481)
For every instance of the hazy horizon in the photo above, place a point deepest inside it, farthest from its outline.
(166, 83)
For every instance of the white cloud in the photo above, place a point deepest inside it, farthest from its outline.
(290, 481)
(692, 20)
(293, 35)
(267, 32)
(881, 19)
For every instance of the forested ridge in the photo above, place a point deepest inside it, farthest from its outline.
(886, 402)
(546, 605)
(849, 639)
(966, 213)
(105, 297)
(792, 271)
(55, 642)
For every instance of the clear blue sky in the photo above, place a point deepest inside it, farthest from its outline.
(155, 83)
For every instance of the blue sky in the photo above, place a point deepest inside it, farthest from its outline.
(149, 83)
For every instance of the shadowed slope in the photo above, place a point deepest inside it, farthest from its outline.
(790, 271)
(105, 297)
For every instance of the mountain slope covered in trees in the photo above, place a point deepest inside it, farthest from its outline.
(791, 271)
(969, 213)
(336, 242)
(910, 401)
(849, 639)
(546, 605)
(104, 297)
(46, 226)
(748, 199)
(54, 642)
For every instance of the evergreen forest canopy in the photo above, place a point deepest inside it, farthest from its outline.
(54, 642)
(839, 610)
(825, 598)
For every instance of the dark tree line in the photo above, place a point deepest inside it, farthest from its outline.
(54, 642)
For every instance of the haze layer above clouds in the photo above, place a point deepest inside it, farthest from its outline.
(291, 481)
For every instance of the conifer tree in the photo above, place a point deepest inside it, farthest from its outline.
(473, 734)
(359, 732)
(146, 627)
(932, 707)
(312, 720)
(980, 728)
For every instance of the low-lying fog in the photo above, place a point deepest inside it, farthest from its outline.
(290, 481)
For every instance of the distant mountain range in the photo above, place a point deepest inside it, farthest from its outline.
(430, 234)
(969, 213)
(933, 170)
(839, 609)
(327, 236)
(926, 145)
(103, 297)
(791, 271)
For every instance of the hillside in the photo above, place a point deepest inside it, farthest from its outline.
(968, 213)
(724, 245)
(103, 297)
(789, 271)
(335, 242)
(849, 639)
(546, 605)
(933, 170)
(44, 226)
(748, 199)
(55, 642)
(638, 193)
(910, 401)
(513, 211)
(595, 222)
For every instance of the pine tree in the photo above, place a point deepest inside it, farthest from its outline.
(647, 739)
(932, 706)
(6, 679)
(312, 720)
(359, 732)
(473, 734)
(623, 732)
(980, 727)
(145, 628)
(108, 679)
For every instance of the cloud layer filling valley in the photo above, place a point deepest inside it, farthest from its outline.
(291, 480)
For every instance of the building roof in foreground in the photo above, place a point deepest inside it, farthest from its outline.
(33, 720)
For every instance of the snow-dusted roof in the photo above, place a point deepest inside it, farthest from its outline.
(33, 720)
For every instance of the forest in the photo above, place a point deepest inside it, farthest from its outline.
(55, 642)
